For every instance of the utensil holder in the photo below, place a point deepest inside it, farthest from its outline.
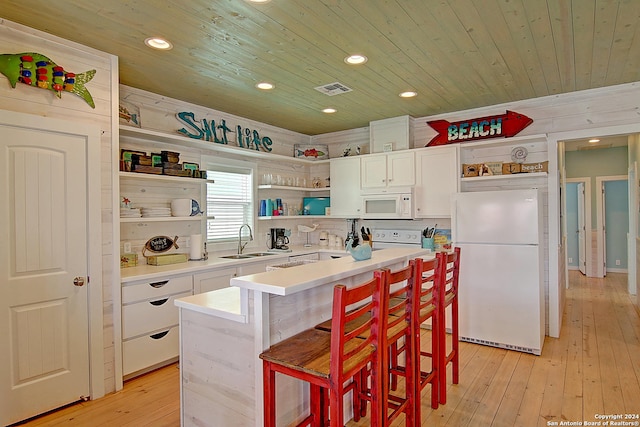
(428, 243)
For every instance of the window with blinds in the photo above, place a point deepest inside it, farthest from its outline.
(229, 201)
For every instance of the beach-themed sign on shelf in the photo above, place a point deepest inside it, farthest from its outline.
(209, 130)
(35, 69)
(503, 125)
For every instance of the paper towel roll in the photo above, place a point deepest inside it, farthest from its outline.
(195, 251)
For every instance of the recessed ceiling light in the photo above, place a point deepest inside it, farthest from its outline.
(408, 94)
(355, 59)
(329, 110)
(594, 140)
(158, 43)
(265, 86)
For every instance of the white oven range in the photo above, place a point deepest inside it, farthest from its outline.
(392, 238)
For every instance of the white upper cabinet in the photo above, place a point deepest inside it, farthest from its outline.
(384, 172)
(437, 172)
(392, 134)
(345, 188)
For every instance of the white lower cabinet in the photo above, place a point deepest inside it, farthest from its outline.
(150, 322)
(213, 280)
(306, 257)
(142, 317)
(333, 255)
(146, 351)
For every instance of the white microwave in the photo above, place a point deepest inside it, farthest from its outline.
(387, 206)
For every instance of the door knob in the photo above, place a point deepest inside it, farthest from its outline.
(78, 281)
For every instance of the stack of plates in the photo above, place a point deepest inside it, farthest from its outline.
(155, 212)
(130, 213)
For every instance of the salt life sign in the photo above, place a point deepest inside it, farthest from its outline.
(505, 125)
(209, 130)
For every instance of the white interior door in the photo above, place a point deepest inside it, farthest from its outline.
(582, 261)
(44, 328)
(603, 260)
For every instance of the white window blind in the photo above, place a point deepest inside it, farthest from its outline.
(229, 202)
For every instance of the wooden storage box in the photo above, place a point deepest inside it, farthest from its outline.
(535, 167)
(494, 167)
(509, 168)
(147, 169)
(170, 156)
(128, 260)
(179, 172)
(167, 259)
(469, 170)
(172, 166)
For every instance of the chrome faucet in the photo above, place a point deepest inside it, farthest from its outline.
(240, 245)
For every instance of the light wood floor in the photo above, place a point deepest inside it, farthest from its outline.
(593, 368)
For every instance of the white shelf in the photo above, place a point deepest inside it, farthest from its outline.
(263, 218)
(285, 187)
(151, 176)
(516, 140)
(179, 140)
(506, 176)
(163, 219)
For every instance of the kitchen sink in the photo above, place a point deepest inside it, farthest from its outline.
(245, 256)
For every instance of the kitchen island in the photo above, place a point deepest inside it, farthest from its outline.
(223, 332)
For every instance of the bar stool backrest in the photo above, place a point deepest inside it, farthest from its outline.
(349, 351)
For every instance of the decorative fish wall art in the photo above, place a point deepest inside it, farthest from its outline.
(37, 70)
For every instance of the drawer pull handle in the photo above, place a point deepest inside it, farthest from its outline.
(159, 335)
(159, 301)
(158, 284)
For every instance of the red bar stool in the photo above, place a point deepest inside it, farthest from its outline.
(427, 307)
(449, 270)
(399, 340)
(328, 360)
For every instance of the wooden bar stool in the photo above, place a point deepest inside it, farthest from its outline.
(398, 338)
(328, 360)
(449, 270)
(427, 297)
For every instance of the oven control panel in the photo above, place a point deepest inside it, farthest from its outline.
(397, 236)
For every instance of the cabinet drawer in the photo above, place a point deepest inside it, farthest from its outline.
(148, 350)
(156, 289)
(145, 316)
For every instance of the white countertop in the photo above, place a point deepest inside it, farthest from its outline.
(153, 272)
(227, 303)
(287, 281)
(232, 303)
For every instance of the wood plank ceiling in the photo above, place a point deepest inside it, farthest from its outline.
(456, 54)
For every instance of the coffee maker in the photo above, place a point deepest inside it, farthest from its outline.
(279, 240)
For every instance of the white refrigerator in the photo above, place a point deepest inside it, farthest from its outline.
(501, 293)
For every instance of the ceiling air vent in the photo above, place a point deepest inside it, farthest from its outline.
(333, 89)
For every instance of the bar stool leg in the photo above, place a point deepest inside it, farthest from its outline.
(269, 395)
